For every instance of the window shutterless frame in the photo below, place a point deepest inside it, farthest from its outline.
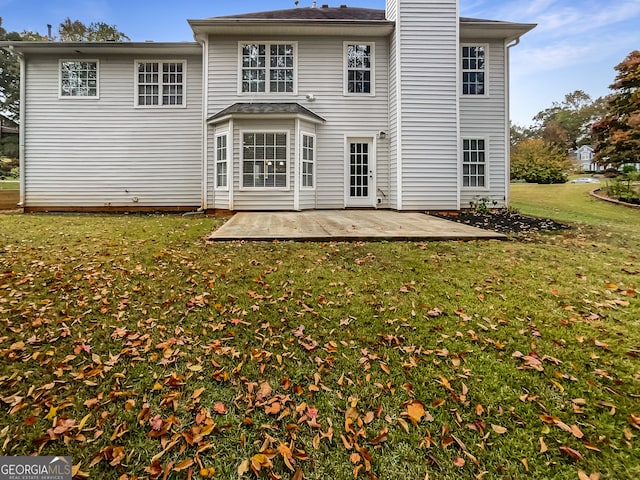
(267, 68)
(160, 83)
(264, 159)
(359, 72)
(78, 79)
(307, 161)
(221, 154)
(475, 163)
(474, 68)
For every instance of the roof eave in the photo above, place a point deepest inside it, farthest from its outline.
(375, 28)
(96, 48)
(494, 30)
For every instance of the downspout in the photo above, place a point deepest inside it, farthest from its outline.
(205, 131)
(507, 134)
(459, 167)
(21, 127)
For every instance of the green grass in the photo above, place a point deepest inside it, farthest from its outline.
(116, 329)
(9, 185)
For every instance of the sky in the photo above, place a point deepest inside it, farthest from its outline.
(575, 46)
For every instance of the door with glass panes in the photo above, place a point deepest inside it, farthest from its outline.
(360, 173)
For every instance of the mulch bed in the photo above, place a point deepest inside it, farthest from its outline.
(505, 222)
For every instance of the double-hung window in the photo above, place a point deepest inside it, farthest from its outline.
(160, 83)
(473, 69)
(268, 68)
(222, 164)
(264, 160)
(474, 163)
(79, 78)
(359, 72)
(308, 160)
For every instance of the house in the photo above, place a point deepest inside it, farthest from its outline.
(7, 126)
(584, 157)
(308, 108)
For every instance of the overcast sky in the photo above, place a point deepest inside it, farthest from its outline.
(575, 46)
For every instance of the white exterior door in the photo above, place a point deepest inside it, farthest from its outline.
(360, 173)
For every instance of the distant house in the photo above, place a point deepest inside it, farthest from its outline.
(308, 108)
(8, 126)
(584, 156)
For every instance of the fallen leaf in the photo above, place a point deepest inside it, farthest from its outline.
(543, 446)
(220, 408)
(415, 411)
(197, 393)
(498, 429)
(575, 430)
(207, 472)
(571, 453)
(287, 455)
(243, 467)
(183, 465)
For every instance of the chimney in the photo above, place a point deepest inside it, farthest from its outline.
(49, 32)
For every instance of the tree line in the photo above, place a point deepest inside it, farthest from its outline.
(611, 125)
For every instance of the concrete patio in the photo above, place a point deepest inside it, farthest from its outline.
(345, 225)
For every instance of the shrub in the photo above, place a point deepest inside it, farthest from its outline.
(535, 161)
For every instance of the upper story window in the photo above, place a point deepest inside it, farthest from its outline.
(473, 70)
(160, 83)
(79, 78)
(359, 71)
(268, 68)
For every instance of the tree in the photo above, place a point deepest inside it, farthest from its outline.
(76, 31)
(519, 134)
(536, 161)
(9, 77)
(618, 134)
(568, 123)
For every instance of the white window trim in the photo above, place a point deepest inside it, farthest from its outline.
(486, 71)
(287, 188)
(78, 97)
(487, 157)
(302, 160)
(345, 70)
(267, 44)
(224, 133)
(160, 61)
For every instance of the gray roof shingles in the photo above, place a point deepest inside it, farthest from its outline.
(265, 109)
(310, 13)
(328, 13)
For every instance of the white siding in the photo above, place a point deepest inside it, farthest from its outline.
(484, 117)
(320, 72)
(426, 37)
(105, 152)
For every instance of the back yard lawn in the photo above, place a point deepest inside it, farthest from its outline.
(9, 185)
(130, 344)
